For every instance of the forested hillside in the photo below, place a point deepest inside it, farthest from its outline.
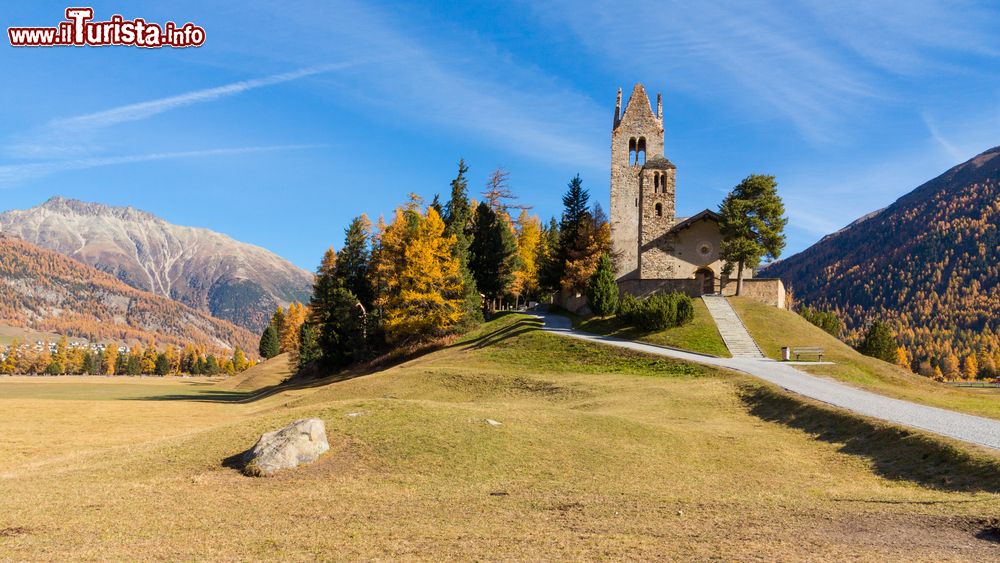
(203, 269)
(929, 264)
(45, 290)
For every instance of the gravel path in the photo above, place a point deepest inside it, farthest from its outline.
(964, 427)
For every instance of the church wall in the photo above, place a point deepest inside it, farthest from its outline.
(765, 290)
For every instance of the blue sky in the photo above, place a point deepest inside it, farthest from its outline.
(294, 117)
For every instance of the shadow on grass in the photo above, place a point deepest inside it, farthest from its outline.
(507, 332)
(396, 357)
(895, 452)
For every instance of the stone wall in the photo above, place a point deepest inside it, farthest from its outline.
(765, 290)
(572, 301)
(645, 288)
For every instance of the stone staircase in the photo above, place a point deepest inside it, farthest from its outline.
(738, 340)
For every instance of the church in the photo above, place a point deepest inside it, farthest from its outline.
(654, 249)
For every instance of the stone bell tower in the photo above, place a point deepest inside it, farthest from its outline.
(636, 133)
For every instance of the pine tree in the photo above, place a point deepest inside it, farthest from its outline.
(269, 346)
(342, 336)
(549, 267)
(278, 322)
(458, 223)
(493, 253)
(752, 225)
(879, 342)
(582, 239)
(322, 302)
(212, 366)
(602, 293)
(353, 260)
(309, 350)
(162, 365)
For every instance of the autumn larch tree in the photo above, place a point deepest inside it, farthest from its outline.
(752, 225)
(423, 292)
(529, 234)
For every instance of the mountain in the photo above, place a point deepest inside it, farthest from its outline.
(203, 269)
(44, 290)
(929, 263)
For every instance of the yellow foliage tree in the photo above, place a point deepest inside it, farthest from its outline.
(109, 358)
(148, 363)
(288, 338)
(422, 293)
(970, 369)
(528, 238)
(903, 358)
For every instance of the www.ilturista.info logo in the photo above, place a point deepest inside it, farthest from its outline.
(79, 30)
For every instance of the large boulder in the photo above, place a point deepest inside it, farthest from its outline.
(302, 441)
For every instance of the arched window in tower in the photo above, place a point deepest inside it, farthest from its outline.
(659, 210)
(631, 151)
(656, 183)
(640, 151)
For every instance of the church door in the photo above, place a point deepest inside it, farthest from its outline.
(707, 278)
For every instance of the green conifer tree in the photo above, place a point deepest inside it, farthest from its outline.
(493, 253)
(269, 346)
(602, 292)
(752, 225)
(879, 342)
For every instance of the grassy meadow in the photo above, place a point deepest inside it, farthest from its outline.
(773, 328)
(700, 335)
(601, 454)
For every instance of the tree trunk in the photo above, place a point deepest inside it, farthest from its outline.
(739, 279)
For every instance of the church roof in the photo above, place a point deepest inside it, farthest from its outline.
(658, 162)
(686, 222)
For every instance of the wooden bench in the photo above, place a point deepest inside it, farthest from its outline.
(818, 352)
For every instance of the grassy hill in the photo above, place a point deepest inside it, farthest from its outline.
(700, 335)
(267, 373)
(773, 328)
(601, 454)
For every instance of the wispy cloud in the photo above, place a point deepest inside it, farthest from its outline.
(69, 136)
(452, 81)
(13, 174)
(946, 145)
(816, 64)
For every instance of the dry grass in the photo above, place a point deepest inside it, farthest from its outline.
(602, 454)
(773, 328)
(268, 373)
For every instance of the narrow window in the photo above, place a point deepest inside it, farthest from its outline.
(659, 210)
(656, 183)
(640, 156)
(631, 150)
